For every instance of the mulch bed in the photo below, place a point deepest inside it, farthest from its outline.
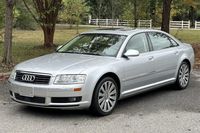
(4, 76)
(196, 48)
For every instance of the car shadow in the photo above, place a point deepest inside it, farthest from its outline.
(122, 104)
(46, 112)
(164, 98)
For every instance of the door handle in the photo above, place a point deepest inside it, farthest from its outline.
(151, 58)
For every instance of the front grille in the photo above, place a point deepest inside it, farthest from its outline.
(30, 99)
(38, 79)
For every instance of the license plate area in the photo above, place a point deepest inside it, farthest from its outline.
(26, 91)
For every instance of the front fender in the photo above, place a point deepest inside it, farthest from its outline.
(94, 75)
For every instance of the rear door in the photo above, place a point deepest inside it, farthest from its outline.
(165, 54)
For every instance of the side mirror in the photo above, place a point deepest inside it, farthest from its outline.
(132, 52)
(58, 47)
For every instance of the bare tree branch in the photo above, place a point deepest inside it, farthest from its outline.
(32, 14)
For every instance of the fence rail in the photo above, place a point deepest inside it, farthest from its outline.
(142, 23)
(180, 24)
(117, 22)
(197, 25)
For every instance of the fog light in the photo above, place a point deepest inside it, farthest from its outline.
(72, 99)
(65, 99)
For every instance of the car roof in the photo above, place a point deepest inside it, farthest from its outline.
(118, 31)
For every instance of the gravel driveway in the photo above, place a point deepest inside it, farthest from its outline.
(160, 111)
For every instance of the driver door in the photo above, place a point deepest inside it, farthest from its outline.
(139, 70)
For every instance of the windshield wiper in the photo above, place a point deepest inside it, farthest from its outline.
(69, 52)
(92, 54)
(79, 53)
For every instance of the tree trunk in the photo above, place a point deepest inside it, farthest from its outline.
(48, 36)
(166, 15)
(77, 27)
(47, 11)
(135, 13)
(192, 15)
(152, 10)
(7, 57)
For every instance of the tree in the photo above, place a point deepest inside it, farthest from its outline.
(2, 12)
(99, 4)
(192, 9)
(166, 15)
(45, 14)
(23, 20)
(73, 11)
(7, 57)
(135, 12)
(152, 10)
(103, 9)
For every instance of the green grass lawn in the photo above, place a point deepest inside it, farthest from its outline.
(188, 36)
(28, 44)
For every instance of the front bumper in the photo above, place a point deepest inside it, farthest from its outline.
(49, 96)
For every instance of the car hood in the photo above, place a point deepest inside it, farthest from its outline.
(62, 62)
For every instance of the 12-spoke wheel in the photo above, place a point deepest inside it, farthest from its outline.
(183, 76)
(105, 97)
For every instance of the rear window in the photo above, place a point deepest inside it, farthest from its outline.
(159, 41)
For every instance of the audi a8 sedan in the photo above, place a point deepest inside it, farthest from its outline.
(97, 68)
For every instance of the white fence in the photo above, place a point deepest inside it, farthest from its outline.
(180, 24)
(142, 23)
(117, 22)
(197, 25)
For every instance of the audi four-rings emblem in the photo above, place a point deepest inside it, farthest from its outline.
(29, 78)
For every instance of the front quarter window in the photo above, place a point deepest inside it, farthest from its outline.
(94, 44)
(138, 42)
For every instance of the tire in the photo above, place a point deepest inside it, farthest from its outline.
(105, 97)
(183, 76)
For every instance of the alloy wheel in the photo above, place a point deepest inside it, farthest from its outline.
(184, 75)
(107, 96)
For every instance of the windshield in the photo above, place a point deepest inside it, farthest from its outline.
(94, 44)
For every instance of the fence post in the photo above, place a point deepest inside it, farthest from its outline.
(195, 24)
(139, 23)
(106, 22)
(182, 24)
(97, 22)
(150, 23)
(90, 18)
(188, 24)
(117, 22)
(89, 21)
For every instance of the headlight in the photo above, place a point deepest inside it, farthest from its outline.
(64, 79)
(13, 74)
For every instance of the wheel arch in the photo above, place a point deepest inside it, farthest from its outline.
(188, 62)
(181, 60)
(114, 76)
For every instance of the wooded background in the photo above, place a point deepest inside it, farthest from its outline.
(117, 9)
(45, 14)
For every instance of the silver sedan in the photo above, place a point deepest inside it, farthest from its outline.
(96, 69)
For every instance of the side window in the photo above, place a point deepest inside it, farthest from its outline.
(138, 42)
(159, 41)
